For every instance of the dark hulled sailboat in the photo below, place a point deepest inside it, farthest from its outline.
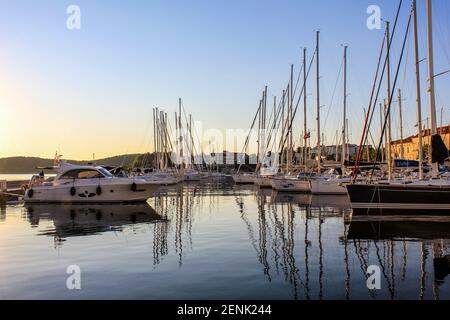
(420, 196)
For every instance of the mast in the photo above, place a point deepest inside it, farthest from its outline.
(402, 150)
(367, 145)
(345, 112)
(176, 135)
(319, 151)
(381, 130)
(259, 135)
(263, 144)
(283, 104)
(386, 138)
(291, 100)
(304, 109)
(181, 132)
(434, 166)
(191, 142)
(389, 154)
(154, 139)
(336, 145)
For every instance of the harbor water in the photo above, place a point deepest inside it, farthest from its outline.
(214, 240)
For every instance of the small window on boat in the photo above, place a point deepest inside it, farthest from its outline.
(82, 174)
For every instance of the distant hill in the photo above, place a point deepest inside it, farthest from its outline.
(18, 165)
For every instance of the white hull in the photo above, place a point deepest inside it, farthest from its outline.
(159, 179)
(291, 185)
(263, 182)
(329, 186)
(192, 176)
(244, 178)
(115, 190)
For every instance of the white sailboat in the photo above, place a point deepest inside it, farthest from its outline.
(332, 183)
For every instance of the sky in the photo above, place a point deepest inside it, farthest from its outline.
(92, 90)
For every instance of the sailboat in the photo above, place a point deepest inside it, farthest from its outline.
(332, 183)
(299, 182)
(429, 196)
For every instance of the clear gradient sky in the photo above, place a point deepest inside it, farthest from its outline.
(92, 90)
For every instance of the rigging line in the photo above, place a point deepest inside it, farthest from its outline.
(392, 93)
(334, 91)
(366, 124)
(298, 101)
(249, 133)
(371, 110)
(192, 150)
(278, 112)
(278, 123)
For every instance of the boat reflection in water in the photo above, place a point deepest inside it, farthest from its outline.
(86, 219)
(294, 236)
(433, 234)
(212, 239)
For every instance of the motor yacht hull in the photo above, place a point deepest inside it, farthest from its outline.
(117, 190)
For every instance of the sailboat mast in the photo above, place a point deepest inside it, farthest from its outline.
(259, 135)
(154, 139)
(434, 166)
(283, 107)
(304, 108)
(319, 147)
(419, 104)
(367, 144)
(181, 131)
(381, 130)
(291, 101)
(345, 113)
(402, 150)
(191, 139)
(389, 153)
(263, 145)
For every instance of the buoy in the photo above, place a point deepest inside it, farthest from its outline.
(30, 193)
(98, 190)
(133, 187)
(73, 191)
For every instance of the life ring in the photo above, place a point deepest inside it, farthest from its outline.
(73, 191)
(98, 190)
(30, 193)
(133, 187)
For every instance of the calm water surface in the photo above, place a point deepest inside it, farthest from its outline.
(218, 241)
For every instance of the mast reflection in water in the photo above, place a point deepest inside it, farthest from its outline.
(214, 240)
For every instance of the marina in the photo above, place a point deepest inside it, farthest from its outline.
(282, 160)
(208, 240)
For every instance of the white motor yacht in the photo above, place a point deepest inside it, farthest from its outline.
(81, 184)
